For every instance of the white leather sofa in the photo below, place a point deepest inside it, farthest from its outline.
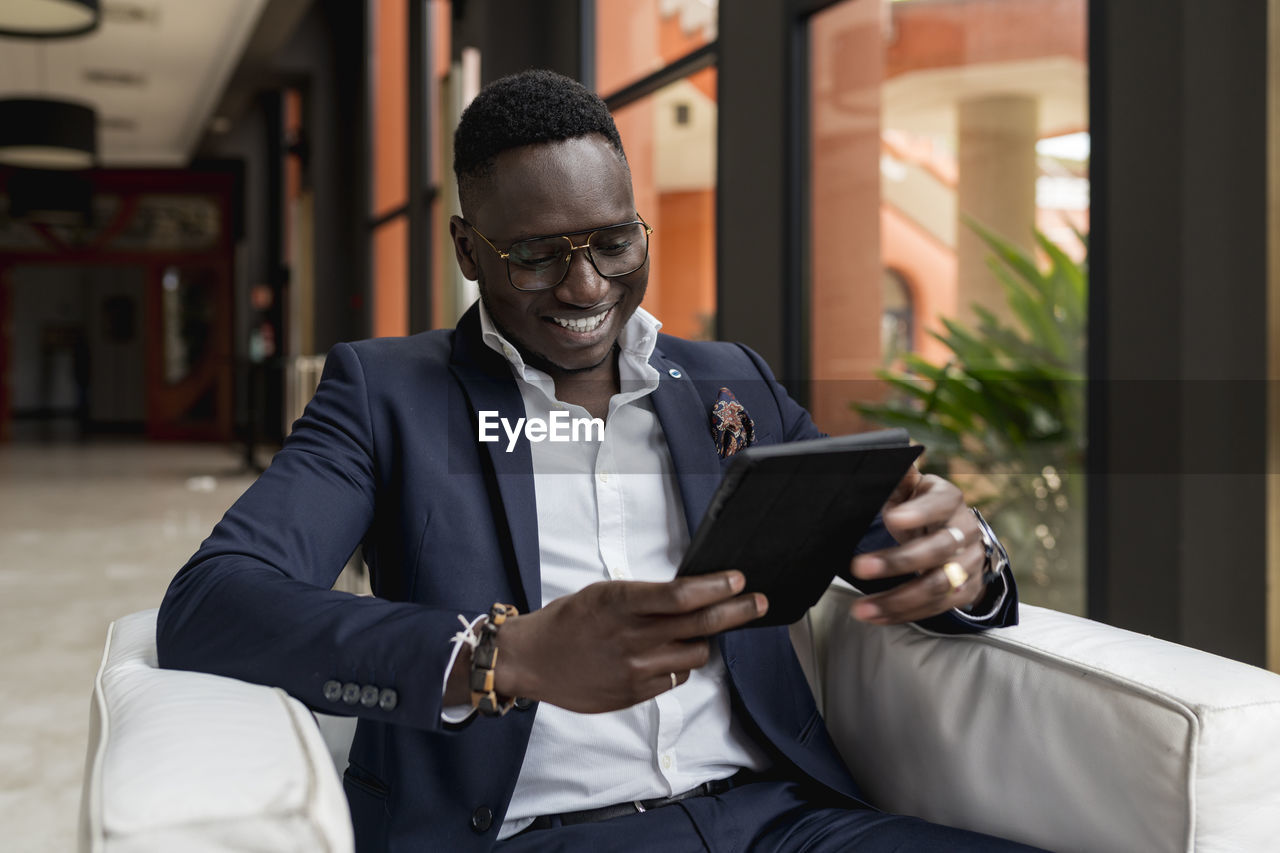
(1061, 732)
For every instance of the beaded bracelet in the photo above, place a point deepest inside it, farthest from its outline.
(483, 660)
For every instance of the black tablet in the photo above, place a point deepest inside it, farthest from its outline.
(789, 516)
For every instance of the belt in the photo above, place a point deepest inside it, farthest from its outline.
(715, 786)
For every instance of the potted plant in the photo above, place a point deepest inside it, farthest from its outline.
(1004, 415)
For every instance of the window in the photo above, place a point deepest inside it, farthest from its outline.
(897, 319)
(389, 166)
(942, 135)
(670, 138)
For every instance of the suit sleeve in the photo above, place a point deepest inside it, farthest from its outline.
(999, 608)
(255, 603)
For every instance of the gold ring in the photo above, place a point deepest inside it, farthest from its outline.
(956, 574)
(674, 681)
(956, 534)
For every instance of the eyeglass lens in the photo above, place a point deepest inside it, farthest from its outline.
(536, 264)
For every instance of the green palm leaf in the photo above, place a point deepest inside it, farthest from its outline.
(1007, 405)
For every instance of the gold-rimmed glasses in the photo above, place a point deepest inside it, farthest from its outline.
(541, 263)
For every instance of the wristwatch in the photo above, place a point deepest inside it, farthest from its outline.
(996, 558)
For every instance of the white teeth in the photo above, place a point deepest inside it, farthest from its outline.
(583, 324)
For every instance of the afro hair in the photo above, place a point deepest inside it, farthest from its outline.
(525, 109)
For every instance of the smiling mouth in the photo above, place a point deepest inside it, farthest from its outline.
(583, 324)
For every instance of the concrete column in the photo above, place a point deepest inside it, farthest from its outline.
(996, 152)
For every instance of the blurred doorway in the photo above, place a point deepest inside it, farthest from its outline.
(119, 349)
(78, 350)
(119, 320)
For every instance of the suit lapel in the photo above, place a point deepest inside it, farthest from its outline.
(685, 423)
(487, 381)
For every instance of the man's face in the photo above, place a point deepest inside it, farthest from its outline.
(577, 185)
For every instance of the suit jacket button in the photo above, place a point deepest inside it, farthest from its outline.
(523, 703)
(332, 690)
(350, 693)
(369, 696)
(482, 819)
(388, 699)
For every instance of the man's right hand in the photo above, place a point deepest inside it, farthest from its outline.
(616, 643)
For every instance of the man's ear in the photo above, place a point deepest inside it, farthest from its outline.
(463, 248)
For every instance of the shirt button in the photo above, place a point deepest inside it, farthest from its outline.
(604, 476)
(666, 762)
(482, 819)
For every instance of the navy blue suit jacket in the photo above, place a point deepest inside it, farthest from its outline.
(387, 456)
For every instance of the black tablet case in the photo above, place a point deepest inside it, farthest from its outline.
(789, 516)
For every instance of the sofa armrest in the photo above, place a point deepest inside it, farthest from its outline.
(1060, 732)
(194, 762)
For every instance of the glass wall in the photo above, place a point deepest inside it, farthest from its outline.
(949, 208)
(389, 165)
(669, 134)
(1273, 335)
(635, 38)
(670, 138)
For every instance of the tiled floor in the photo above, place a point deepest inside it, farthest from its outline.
(88, 532)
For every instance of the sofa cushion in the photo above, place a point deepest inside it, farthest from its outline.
(274, 789)
(1061, 732)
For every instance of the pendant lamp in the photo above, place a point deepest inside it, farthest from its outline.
(52, 198)
(43, 133)
(48, 18)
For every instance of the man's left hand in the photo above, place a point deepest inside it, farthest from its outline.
(928, 517)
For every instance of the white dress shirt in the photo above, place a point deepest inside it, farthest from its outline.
(611, 510)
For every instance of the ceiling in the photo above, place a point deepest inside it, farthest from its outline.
(154, 69)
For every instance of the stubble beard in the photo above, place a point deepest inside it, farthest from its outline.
(532, 357)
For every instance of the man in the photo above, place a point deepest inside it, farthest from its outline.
(631, 731)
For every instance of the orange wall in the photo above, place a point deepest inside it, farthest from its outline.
(441, 16)
(390, 164)
(946, 35)
(684, 265)
(391, 278)
(635, 125)
(627, 42)
(390, 168)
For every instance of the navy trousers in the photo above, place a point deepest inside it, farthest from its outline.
(761, 817)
